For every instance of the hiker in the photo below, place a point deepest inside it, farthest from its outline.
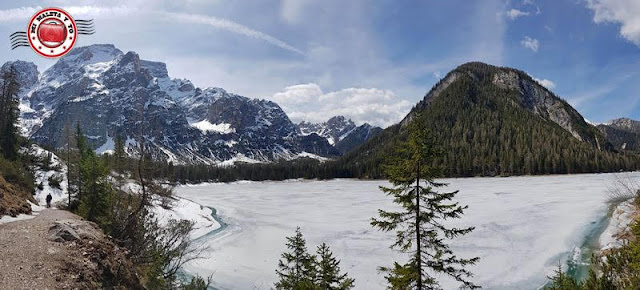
(49, 198)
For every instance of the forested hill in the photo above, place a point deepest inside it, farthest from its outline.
(498, 121)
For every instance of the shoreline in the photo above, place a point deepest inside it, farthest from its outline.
(622, 217)
(241, 181)
(185, 275)
(608, 233)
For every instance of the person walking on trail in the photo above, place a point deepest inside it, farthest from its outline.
(49, 198)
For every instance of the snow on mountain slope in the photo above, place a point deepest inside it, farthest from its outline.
(340, 132)
(111, 93)
(334, 129)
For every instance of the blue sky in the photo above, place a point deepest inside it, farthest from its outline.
(369, 60)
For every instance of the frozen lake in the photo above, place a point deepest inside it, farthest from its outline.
(524, 226)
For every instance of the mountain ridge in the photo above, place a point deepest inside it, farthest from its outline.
(340, 132)
(623, 133)
(109, 92)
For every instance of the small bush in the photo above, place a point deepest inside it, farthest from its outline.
(55, 180)
(197, 283)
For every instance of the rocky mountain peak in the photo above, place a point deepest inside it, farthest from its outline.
(91, 54)
(340, 132)
(340, 122)
(27, 72)
(108, 93)
(156, 69)
(625, 124)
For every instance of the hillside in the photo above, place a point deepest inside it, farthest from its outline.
(498, 121)
(623, 133)
(13, 199)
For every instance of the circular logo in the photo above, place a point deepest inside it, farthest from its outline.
(52, 32)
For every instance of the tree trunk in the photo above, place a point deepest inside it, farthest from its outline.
(69, 170)
(418, 254)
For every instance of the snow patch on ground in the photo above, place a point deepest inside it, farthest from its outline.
(107, 147)
(170, 156)
(180, 209)
(57, 168)
(35, 210)
(312, 156)
(206, 126)
(183, 209)
(620, 223)
(238, 158)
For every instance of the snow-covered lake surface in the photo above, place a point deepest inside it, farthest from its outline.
(524, 226)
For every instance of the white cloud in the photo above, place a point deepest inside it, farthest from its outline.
(18, 14)
(515, 13)
(530, 43)
(546, 83)
(298, 94)
(24, 13)
(374, 106)
(98, 11)
(625, 12)
(232, 27)
(291, 10)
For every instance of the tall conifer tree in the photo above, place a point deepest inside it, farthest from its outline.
(9, 113)
(419, 225)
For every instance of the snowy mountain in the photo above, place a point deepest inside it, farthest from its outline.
(335, 129)
(357, 137)
(625, 124)
(111, 93)
(340, 132)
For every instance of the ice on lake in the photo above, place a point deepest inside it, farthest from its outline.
(524, 226)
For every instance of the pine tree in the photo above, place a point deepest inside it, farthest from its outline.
(93, 183)
(562, 281)
(95, 202)
(69, 146)
(83, 149)
(9, 113)
(419, 226)
(328, 267)
(296, 268)
(119, 155)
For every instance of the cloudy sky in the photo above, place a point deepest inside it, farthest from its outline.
(368, 60)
